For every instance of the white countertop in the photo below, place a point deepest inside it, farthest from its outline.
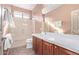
(70, 42)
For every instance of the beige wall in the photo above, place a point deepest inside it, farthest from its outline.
(38, 26)
(63, 13)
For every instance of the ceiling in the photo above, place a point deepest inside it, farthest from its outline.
(49, 7)
(26, 6)
(39, 8)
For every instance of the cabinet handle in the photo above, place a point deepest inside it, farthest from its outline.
(55, 46)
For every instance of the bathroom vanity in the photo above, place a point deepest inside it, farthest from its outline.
(53, 45)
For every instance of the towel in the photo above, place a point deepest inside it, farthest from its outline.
(8, 41)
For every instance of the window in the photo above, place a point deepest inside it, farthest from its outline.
(21, 15)
(18, 14)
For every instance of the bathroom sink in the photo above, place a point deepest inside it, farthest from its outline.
(51, 39)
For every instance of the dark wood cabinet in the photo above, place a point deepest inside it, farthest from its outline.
(64, 51)
(51, 49)
(39, 47)
(34, 44)
(42, 47)
(46, 48)
(56, 50)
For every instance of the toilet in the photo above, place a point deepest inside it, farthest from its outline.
(29, 43)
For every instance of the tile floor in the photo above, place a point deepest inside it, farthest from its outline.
(21, 51)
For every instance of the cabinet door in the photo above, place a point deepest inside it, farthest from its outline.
(39, 46)
(56, 50)
(51, 49)
(46, 48)
(34, 44)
